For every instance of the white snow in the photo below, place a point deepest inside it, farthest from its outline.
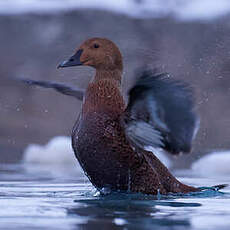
(57, 151)
(56, 157)
(213, 164)
(183, 10)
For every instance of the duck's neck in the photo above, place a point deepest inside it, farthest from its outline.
(113, 75)
(104, 94)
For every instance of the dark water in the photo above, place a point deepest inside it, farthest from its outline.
(35, 199)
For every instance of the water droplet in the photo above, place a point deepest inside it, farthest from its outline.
(158, 194)
(105, 191)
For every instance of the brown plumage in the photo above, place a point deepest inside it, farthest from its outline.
(99, 137)
(109, 137)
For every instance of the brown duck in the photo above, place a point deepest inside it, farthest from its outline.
(109, 137)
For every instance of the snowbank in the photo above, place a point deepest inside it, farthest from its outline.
(213, 164)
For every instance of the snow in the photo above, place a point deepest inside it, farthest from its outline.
(213, 165)
(56, 157)
(57, 151)
(182, 10)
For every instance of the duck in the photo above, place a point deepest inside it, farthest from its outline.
(110, 137)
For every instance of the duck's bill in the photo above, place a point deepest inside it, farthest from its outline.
(72, 61)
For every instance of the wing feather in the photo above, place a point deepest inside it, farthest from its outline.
(160, 113)
(59, 87)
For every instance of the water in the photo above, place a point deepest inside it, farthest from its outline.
(33, 199)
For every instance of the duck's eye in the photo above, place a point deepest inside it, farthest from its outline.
(96, 45)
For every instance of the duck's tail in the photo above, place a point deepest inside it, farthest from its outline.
(215, 188)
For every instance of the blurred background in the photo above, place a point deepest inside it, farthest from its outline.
(188, 39)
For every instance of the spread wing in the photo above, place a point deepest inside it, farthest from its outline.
(59, 87)
(160, 113)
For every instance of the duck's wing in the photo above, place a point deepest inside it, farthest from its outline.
(160, 113)
(59, 87)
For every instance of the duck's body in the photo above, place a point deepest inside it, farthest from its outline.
(109, 137)
(105, 154)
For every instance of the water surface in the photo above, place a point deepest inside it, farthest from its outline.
(36, 199)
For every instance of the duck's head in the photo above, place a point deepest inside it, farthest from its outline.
(99, 53)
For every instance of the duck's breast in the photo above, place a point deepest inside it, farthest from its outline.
(98, 139)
